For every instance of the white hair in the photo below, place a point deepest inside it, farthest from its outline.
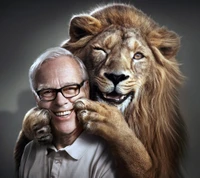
(49, 54)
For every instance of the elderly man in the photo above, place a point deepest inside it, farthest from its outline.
(58, 79)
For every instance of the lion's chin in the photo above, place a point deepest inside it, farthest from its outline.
(118, 100)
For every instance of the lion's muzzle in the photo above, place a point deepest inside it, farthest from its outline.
(114, 96)
(115, 79)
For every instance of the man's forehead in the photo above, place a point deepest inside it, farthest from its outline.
(62, 64)
(67, 60)
(58, 73)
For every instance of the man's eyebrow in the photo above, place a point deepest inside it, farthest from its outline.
(70, 83)
(42, 87)
(46, 86)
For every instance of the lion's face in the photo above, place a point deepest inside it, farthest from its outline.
(120, 60)
(128, 56)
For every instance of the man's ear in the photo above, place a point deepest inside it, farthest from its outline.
(37, 99)
(82, 26)
(167, 42)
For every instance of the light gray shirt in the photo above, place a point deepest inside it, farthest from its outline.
(87, 157)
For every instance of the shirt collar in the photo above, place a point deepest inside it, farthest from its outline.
(77, 149)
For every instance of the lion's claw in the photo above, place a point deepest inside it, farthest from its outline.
(43, 135)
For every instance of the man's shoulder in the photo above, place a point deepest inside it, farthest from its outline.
(30, 144)
(86, 144)
(94, 143)
(34, 145)
(92, 139)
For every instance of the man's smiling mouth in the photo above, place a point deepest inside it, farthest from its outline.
(63, 113)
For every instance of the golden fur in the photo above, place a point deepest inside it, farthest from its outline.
(31, 120)
(106, 40)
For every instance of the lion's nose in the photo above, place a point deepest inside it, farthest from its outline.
(116, 78)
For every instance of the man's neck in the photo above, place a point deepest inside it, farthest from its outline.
(62, 140)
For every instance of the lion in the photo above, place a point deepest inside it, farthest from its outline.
(135, 80)
(132, 65)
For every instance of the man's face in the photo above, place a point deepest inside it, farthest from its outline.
(56, 74)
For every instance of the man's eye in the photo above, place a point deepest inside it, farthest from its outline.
(47, 92)
(138, 56)
(70, 89)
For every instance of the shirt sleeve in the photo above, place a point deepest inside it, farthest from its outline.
(23, 163)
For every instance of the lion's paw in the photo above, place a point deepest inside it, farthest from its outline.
(43, 135)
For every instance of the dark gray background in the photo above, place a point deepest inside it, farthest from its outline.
(27, 28)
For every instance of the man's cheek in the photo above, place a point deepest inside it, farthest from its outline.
(81, 95)
(43, 104)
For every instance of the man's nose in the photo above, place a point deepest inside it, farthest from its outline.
(60, 99)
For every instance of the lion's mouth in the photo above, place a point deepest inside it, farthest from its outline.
(114, 97)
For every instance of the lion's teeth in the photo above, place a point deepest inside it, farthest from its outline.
(114, 97)
(63, 113)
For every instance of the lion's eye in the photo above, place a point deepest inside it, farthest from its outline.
(99, 49)
(138, 56)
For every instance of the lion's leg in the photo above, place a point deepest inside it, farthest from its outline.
(36, 125)
(107, 122)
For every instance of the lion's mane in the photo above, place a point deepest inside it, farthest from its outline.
(155, 116)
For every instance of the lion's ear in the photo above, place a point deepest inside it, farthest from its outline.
(83, 25)
(167, 42)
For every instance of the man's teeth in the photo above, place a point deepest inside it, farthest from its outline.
(64, 113)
